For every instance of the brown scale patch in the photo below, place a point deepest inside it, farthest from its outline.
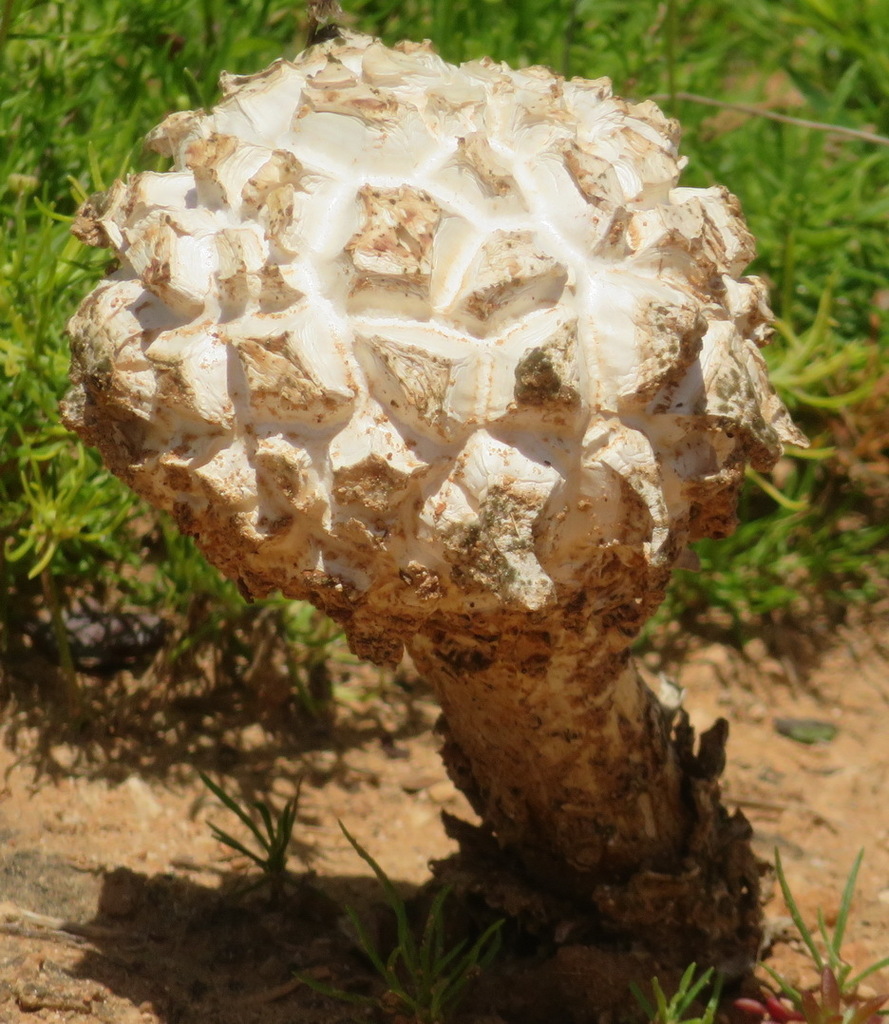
(371, 483)
(335, 90)
(283, 384)
(281, 168)
(511, 277)
(476, 154)
(87, 226)
(595, 177)
(396, 233)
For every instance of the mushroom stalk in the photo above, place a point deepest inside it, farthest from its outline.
(565, 754)
(593, 793)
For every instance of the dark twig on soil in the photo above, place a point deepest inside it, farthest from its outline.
(15, 920)
(270, 995)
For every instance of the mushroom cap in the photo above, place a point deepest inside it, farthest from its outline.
(402, 337)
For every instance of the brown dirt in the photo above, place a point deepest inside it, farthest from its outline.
(118, 905)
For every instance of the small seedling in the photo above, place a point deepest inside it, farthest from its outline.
(830, 1008)
(421, 977)
(836, 1001)
(273, 838)
(827, 1005)
(673, 1011)
(832, 957)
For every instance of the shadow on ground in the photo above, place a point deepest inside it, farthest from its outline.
(177, 950)
(141, 723)
(189, 950)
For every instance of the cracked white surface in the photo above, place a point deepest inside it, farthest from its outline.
(385, 310)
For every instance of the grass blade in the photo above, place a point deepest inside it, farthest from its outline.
(796, 916)
(839, 930)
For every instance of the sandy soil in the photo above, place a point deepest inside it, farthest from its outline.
(118, 905)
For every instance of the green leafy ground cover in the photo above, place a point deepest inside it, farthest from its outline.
(81, 81)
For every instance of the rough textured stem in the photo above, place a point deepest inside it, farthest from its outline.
(591, 788)
(563, 750)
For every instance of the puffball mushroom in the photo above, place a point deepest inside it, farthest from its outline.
(446, 352)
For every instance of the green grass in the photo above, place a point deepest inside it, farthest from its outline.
(678, 1009)
(425, 979)
(839, 998)
(271, 838)
(82, 81)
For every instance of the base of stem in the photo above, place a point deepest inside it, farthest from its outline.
(707, 911)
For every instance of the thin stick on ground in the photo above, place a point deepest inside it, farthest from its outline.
(771, 115)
